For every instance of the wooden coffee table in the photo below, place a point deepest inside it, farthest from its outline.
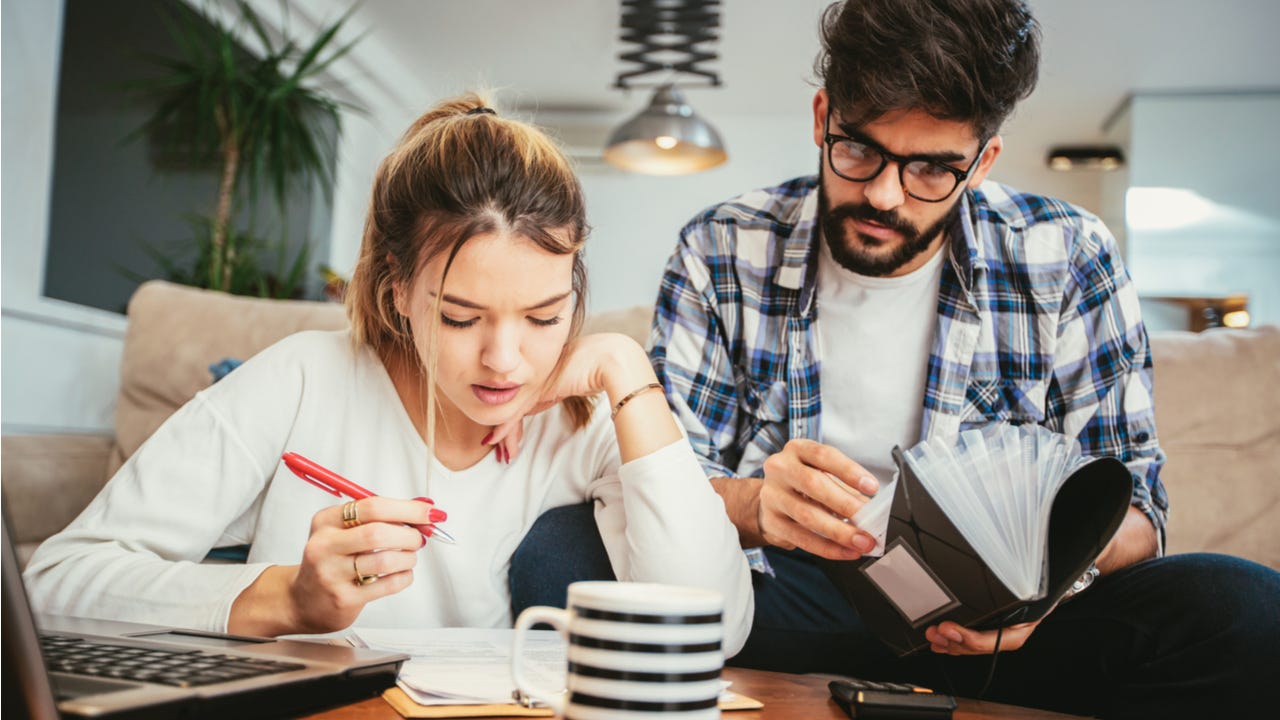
(785, 697)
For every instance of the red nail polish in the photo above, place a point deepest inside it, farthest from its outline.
(436, 515)
(487, 438)
(424, 542)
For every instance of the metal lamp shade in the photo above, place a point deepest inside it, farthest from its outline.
(666, 138)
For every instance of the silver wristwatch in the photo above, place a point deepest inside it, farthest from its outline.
(1082, 582)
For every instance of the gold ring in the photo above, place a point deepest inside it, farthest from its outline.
(361, 579)
(350, 515)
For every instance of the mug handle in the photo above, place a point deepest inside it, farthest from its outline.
(555, 617)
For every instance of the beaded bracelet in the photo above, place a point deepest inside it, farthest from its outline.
(631, 395)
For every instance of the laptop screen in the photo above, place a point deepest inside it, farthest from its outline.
(27, 692)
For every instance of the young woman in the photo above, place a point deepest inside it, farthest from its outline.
(465, 307)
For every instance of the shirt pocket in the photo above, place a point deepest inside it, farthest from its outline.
(1011, 400)
(762, 430)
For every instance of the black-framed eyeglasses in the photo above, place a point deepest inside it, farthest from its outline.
(922, 178)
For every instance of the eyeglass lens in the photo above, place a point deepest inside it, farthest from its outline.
(923, 179)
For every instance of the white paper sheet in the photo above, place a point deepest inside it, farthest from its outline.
(467, 666)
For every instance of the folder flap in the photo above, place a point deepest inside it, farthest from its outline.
(1087, 513)
(917, 522)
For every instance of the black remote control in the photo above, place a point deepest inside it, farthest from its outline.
(867, 700)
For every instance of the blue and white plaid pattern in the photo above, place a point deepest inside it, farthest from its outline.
(1038, 322)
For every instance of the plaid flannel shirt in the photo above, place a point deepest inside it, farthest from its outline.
(1038, 321)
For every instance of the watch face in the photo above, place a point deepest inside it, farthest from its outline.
(1083, 582)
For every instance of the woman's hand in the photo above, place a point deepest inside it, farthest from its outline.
(324, 592)
(602, 362)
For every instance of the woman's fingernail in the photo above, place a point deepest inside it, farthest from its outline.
(437, 515)
(953, 635)
(487, 438)
(424, 542)
(868, 485)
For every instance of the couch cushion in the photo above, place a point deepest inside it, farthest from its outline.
(175, 332)
(48, 480)
(1218, 416)
(633, 321)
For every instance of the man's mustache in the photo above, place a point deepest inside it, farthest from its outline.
(867, 213)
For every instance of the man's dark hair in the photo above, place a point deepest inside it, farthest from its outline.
(965, 60)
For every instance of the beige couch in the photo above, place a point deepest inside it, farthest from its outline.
(1217, 409)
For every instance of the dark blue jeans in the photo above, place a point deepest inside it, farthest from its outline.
(1195, 635)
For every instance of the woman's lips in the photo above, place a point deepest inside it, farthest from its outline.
(495, 395)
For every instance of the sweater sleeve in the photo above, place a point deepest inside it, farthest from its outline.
(662, 522)
(135, 552)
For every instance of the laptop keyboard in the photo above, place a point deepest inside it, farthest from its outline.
(181, 668)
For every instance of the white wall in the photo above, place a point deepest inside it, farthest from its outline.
(1206, 161)
(59, 362)
(636, 219)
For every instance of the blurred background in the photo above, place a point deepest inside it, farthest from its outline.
(1182, 96)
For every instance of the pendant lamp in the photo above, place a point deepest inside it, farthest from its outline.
(667, 137)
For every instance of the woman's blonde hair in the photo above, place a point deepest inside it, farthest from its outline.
(460, 170)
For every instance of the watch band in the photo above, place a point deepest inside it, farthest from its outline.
(1082, 582)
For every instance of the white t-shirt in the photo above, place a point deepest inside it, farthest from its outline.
(874, 336)
(212, 476)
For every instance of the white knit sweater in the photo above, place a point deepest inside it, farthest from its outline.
(212, 476)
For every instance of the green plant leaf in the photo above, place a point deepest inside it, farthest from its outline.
(262, 117)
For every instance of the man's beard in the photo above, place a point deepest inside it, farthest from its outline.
(849, 250)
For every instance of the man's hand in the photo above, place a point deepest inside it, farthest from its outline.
(809, 491)
(948, 638)
(1134, 542)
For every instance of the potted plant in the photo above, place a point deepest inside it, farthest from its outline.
(261, 119)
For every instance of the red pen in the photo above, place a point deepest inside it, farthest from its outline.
(335, 484)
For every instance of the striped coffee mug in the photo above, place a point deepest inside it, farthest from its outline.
(635, 650)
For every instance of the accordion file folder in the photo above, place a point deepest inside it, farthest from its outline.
(930, 571)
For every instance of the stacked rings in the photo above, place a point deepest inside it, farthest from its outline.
(350, 515)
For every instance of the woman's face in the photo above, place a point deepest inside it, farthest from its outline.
(505, 316)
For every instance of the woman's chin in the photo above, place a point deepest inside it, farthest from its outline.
(492, 416)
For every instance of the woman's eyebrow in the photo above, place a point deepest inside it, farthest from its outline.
(463, 302)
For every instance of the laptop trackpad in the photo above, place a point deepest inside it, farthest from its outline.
(69, 687)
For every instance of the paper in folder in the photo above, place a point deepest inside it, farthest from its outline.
(988, 529)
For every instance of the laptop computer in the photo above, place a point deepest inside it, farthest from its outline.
(75, 667)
